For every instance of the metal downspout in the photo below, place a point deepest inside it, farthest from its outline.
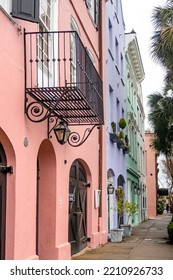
(101, 129)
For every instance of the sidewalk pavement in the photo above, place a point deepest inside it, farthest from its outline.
(149, 241)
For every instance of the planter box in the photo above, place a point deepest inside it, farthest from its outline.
(115, 139)
(116, 235)
(127, 230)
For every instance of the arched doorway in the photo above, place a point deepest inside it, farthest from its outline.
(46, 202)
(120, 183)
(110, 198)
(77, 208)
(3, 162)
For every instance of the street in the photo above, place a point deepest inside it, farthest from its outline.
(149, 241)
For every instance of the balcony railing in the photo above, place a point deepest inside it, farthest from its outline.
(60, 78)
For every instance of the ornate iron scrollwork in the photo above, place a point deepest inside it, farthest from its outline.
(36, 112)
(52, 123)
(75, 140)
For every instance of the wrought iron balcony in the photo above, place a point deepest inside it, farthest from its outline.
(61, 80)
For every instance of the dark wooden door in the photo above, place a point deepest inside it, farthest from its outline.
(77, 208)
(3, 162)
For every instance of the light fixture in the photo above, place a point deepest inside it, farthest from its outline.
(62, 132)
(110, 189)
(138, 191)
(135, 189)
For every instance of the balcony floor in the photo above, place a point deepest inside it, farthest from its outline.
(68, 103)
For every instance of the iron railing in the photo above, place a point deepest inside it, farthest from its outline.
(60, 74)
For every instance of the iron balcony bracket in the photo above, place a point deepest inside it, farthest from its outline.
(52, 123)
(75, 139)
(37, 112)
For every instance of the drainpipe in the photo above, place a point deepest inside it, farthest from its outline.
(101, 129)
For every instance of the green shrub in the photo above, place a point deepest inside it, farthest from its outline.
(121, 135)
(122, 123)
(160, 207)
(113, 124)
(130, 208)
(170, 231)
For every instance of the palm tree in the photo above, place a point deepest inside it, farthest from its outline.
(162, 40)
(161, 105)
(161, 118)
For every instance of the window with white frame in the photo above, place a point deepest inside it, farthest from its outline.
(47, 43)
(44, 26)
(45, 13)
(73, 58)
(93, 8)
(74, 27)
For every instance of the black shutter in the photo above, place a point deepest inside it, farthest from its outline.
(26, 9)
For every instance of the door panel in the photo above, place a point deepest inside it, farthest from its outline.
(82, 226)
(77, 208)
(72, 238)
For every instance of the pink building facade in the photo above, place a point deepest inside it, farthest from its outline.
(52, 196)
(151, 175)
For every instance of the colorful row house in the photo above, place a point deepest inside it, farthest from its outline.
(125, 145)
(151, 175)
(135, 161)
(71, 118)
(115, 107)
(52, 156)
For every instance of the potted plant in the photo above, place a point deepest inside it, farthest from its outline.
(114, 136)
(126, 148)
(118, 137)
(130, 208)
(117, 234)
(113, 124)
(122, 123)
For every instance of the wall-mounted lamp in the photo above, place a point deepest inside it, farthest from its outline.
(135, 189)
(138, 191)
(110, 189)
(62, 132)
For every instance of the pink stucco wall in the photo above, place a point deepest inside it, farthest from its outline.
(151, 173)
(55, 160)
